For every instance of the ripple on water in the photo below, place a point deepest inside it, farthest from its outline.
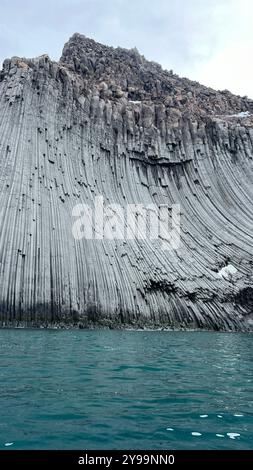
(118, 389)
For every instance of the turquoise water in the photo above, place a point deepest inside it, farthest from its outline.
(119, 390)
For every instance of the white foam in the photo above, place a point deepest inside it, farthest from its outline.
(233, 435)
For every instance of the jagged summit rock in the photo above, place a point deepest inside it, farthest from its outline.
(105, 121)
(128, 74)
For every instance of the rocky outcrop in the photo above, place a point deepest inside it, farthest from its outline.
(105, 121)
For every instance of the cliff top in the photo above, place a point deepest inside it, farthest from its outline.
(120, 74)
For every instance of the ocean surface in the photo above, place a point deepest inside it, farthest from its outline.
(125, 390)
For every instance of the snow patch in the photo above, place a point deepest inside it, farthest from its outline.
(243, 114)
(227, 272)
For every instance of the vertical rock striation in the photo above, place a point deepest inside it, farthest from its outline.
(105, 121)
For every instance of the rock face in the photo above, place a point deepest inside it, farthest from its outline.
(105, 121)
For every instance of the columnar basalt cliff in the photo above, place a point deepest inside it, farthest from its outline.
(105, 121)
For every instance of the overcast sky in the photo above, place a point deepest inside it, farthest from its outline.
(210, 41)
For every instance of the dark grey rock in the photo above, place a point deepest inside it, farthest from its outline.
(106, 121)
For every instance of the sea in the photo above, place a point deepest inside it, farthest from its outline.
(104, 389)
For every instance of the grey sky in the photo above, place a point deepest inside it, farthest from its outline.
(207, 40)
